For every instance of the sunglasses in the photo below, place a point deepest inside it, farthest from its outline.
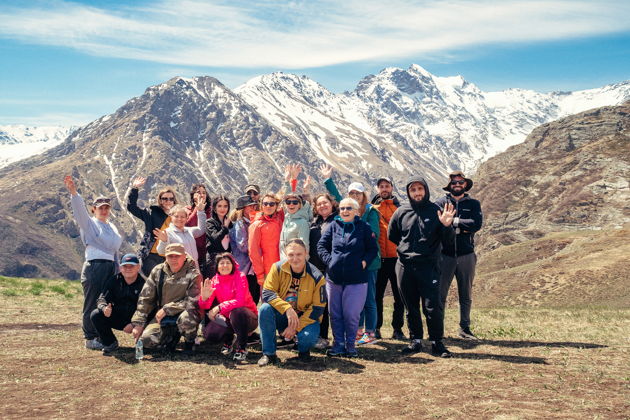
(292, 202)
(252, 192)
(167, 198)
(346, 208)
(269, 203)
(458, 182)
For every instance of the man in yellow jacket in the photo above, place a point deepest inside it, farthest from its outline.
(294, 298)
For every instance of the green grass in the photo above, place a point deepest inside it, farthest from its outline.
(12, 286)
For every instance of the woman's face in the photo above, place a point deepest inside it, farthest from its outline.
(221, 208)
(201, 192)
(225, 266)
(347, 212)
(269, 206)
(249, 211)
(357, 195)
(293, 204)
(102, 213)
(167, 201)
(179, 219)
(323, 206)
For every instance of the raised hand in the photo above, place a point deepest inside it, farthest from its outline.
(295, 170)
(200, 201)
(70, 184)
(446, 216)
(287, 172)
(326, 171)
(307, 184)
(160, 235)
(138, 182)
(206, 289)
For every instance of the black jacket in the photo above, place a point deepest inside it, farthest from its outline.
(122, 296)
(416, 229)
(215, 232)
(317, 229)
(153, 218)
(470, 221)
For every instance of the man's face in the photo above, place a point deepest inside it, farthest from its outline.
(175, 262)
(458, 184)
(417, 191)
(129, 271)
(296, 255)
(385, 190)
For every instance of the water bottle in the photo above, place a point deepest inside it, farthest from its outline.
(139, 350)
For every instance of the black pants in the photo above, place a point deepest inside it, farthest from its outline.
(242, 321)
(117, 320)
(387, 273)
(94, 277)
(421, 283)
(149, 262)
(254, 287)
(463, 268)
(325, 325)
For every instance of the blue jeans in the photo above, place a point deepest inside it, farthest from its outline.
(369, 314)
(270, 321)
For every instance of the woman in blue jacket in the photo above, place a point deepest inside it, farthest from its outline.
(346, 247)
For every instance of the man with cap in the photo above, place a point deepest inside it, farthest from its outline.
(253, 191)
(458, 257)
(117, 303)
(386, 204)
(168, 302)
(418, 228)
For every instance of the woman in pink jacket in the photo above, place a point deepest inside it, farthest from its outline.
(231, 307)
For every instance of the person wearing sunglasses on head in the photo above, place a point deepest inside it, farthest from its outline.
(458, 257)
(153, 217)
(297, 211)
(101, 240)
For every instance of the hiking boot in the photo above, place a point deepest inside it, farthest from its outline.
(466, 334)
(438, 349)
(399, 335)
(226, 349)
(189, 348)
(335, 353)
(352, 354)
(267, 359)
(240, 355)
(107, 350)
(415, 346)
(321, 344)
(368, 338)
(253, 338)
(377, 334)
(94, 344)
(304, 356)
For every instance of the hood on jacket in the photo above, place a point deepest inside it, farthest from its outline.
(427, 195)
(237, 272)
(378, 200)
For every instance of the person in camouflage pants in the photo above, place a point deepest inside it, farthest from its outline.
(171, 308)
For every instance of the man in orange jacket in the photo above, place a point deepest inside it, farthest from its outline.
(386, 203)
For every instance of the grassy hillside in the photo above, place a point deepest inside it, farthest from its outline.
(531, 363)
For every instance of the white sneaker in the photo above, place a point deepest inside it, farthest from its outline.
(94, 344)
(322, 344)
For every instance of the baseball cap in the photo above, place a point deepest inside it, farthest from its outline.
(102, 201)
(384, 178)
(244, 201)
(129, 259)
(252, 187)
(175, 249)
(356, 186)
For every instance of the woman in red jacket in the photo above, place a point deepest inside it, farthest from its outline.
(235, 310)
(264, 236)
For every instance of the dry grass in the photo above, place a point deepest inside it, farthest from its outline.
(531, 363)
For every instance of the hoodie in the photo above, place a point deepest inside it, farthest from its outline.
(416, 229)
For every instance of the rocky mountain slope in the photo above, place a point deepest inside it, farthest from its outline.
(557, 214)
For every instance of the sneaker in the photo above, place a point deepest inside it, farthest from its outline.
(466, 334)
(253, 338)
(109, 349)
(360, 333)
(368, 338)
(304, 356)
(282, 342)
(226, 349)
(321, 344)
(335, 353)
(438, 349)
(240, 355)
(189, 348)
(94, 344)
(377, 334)
(267, 359)
(352, 354)
(399, 335)
(415, 346)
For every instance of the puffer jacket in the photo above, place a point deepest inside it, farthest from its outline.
(264, 237)
(386, 208)
(231, 291)
(296, 225)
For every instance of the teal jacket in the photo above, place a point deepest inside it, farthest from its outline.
(296, 225)
(371, 216)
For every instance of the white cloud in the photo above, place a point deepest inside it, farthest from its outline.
(306, 33)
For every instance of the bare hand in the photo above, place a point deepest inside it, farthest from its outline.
(295, 170)
(206, 289)
(307, 184)
(138, 182)
(364, 264)
(288, 333)
(160, 315)
(287, 173)
(107, 311)
(226, 221)
(70, 184)
(200, 201)
(214, 312)
(160, 235)
(137, 332)
(326, 171)
(446, 216)
(128, 328)
(293, 319)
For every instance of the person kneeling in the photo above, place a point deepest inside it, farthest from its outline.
(117, 303)
(294, 297)
(236, 311)
(167, 306)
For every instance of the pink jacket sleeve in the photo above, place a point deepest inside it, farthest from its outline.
(240, 293)
(207, 304)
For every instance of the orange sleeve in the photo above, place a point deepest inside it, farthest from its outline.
(255, 253)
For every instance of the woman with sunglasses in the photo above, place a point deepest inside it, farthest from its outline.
(101, 240)
(370, 215)
(346, 247)
(154, 217)
(217, 234)
(297, 212)
(264, 236)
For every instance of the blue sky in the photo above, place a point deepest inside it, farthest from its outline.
(70, 62)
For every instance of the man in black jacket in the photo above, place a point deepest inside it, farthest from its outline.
(418, 228)
(117, 303)
(458, 257)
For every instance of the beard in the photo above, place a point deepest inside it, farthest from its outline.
(457, 191)
(386, 195)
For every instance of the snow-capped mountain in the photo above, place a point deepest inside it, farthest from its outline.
(19, 141)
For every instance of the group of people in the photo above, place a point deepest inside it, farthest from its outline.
(290, 263)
